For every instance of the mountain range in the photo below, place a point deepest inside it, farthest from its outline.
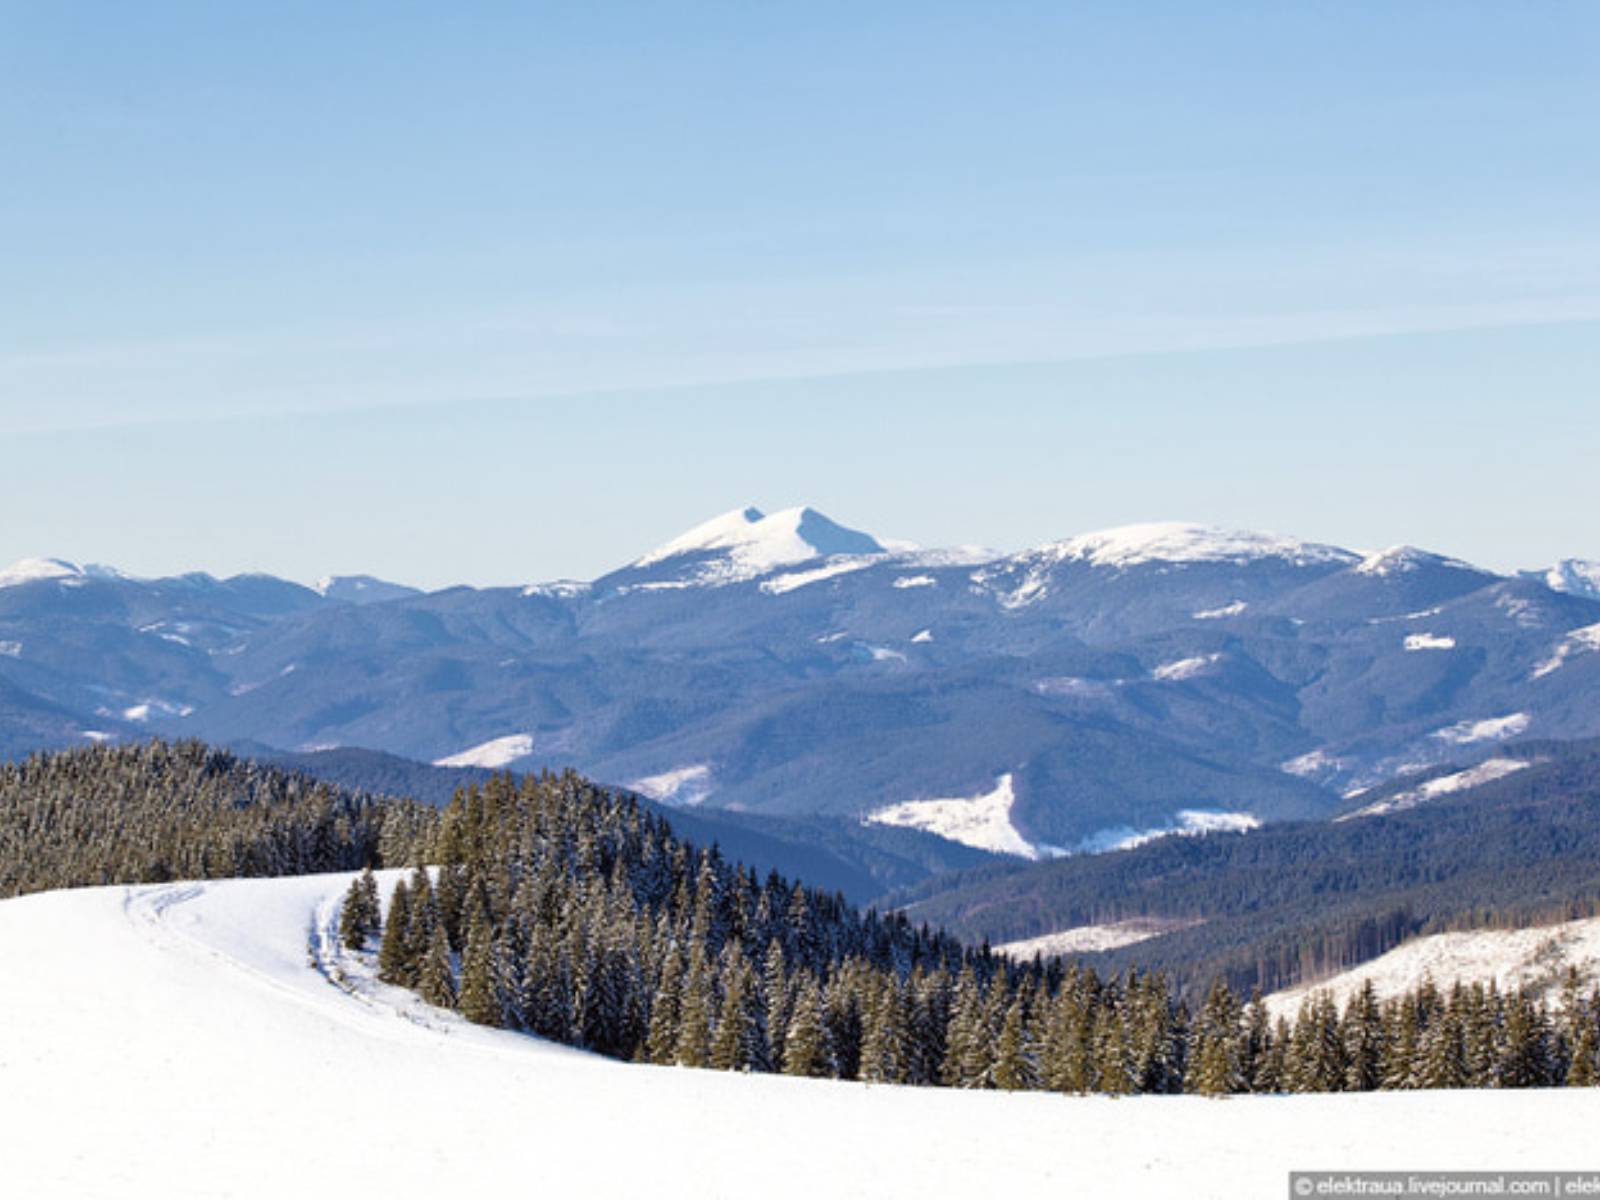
(1081, 695)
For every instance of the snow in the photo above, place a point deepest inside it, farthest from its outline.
(1537, 957)
(1485, 772)
(11, 649)
(983, 821)
(1401, 560)
(561, 589)
(682, 786)
(884, 654)
(779, 584)
(1184, 668)
(922, 636)
(1575, 576)
(1190, 822)
(1576, 642)
(1087, 939)
(165, 708)
(498, 752)
(1464, 733)
(747, 543)
(31, 570)
(173, 1041)
(1180, 542)
(915, 581)
(1313, 762)
(1522, 611)
(1227, 610)
(1429, 641)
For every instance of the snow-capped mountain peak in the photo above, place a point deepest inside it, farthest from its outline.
(1184, 542)
(30, 570)
(1400, 560)
(1574, 576)
(360, 589)
(746, 543)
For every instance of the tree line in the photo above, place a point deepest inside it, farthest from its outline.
(562, 910)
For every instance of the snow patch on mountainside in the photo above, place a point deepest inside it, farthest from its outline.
(1535, 958)
(1576, 642)
(493, 754)
(684, 786)
(10, 649)
(1087, 939)
(1311, 763)
(779, 584)
(1193, 822)
(165, 708)
(1429, 641)
(983, 821)
(922, 637)
(1485, 772)
(1185, 668)
(915, 581)
(1492, 729)
(1227, 610)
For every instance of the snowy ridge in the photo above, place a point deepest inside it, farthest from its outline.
(1576, 642)
(495, 753)
(1402, 560)
(1492, 729)
(1179, 542)
(161, 1009)
(1485, 772)
(31, 570)
(1429, 641)
(1191, 822)
(1574, 576)
(1536, 958)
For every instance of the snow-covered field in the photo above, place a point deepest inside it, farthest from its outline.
(174, 1041)
(1537, 958)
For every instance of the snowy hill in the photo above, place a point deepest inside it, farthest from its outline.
(1537, 958)
(174, 1041)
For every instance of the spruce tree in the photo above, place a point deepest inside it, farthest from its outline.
(479, 1001)
(435, 981)
(805, 1048)
(394, 954)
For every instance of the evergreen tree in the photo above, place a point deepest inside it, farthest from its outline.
(394, 954)
(480, 1001)
(435, 980)
(1014, 1065)
(805, 1048)
(1363, 1040)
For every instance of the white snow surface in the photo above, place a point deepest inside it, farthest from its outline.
(1227, 610)
(1313, 762)
(11, 649)
(922, 636)
(915, 581)
(779, 584)
(748, 543)
(1492, 729)
(1485, 772)
(1086, 939)
(683, 786)
(1400, 560)
(983, 820)
(1181, 542)
(173, 1042)
(1575, 576)
(1577, 642)
(1184, 668)
(30, 570)
(495, 753)
(1429, 641)
(1191, 822)
(1537, 958)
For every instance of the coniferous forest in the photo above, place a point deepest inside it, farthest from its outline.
(564, 910)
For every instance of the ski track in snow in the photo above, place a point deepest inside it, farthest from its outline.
(184, 1040)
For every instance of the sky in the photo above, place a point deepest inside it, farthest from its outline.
(489, 293)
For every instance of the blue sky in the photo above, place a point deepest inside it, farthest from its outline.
(504, 292)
